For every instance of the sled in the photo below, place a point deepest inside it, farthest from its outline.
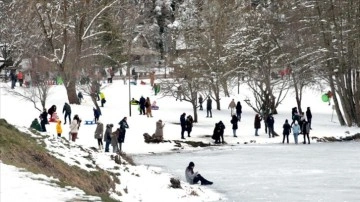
(133, 83)
(88, 122)
(142, 83)
(155, 107)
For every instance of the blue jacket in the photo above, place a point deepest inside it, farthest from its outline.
(296, 128)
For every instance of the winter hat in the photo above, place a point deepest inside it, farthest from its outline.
(191, 164)
(286, 121)
(296, 122)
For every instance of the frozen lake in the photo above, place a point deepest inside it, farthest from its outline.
(276, 172)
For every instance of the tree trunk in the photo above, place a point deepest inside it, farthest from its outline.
(71, 92)
(195, 112)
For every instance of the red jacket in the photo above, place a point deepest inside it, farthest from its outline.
(20, 75)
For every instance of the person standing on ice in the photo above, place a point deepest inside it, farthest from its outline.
(189, 124)
(194, 177)
(306, 131)
(270, 125)
(309, 116)
(201, 100)
(234, 122)
(286, 131)
(296, 131)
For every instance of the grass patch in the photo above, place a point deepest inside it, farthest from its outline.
(23, 151)
(127, 158)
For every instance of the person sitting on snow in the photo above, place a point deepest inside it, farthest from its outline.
(194, 177)
(36, 125)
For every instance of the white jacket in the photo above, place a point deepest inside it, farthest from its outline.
(74, 126)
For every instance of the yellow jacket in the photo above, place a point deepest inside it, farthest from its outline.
(58, 127)
(102, 96)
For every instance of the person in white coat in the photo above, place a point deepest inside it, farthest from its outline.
(74, 127)
(296, 131)
(194, 177)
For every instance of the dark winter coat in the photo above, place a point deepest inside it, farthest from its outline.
(43, 117)
(209, 104)
(80, 95)
(67, 108)
(107, 135)
(234, 122)
(52, 110)
(287, 128)
(238, 108)
(221, 127)
(122, 131)
(308, 114)
(270, 121)
(305, 127)
(96, 113)
(216, 133)
(183, 120)
(257, 122)
(189, 123)
(201, 100)
(142, 102)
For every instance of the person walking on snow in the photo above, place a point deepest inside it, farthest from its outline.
(67, 110)
(183, 124)
(96, 115)
(286, 131)
(102, 98)
(232, 107)
(99, 134)
(208, 107)
(234, 122)
(58, 129)
(238, 110)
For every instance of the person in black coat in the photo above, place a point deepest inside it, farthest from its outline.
(234, 122)
(142, 105)
(294, 115)
(52, 110)
(238, 110)
(44, 120)
(216, 133)
(96, 114)
(209, 107)
(201, 100)
(221, 131)
(80, 97)
(123, 126)
(257, 124)
(286, 131)
(189, 124)
(183, 124)
(67, 111)
(309, 116)
(270, 125)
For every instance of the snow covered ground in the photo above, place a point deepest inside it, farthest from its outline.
(152, 180)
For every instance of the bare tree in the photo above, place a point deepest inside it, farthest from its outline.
(40, 88)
